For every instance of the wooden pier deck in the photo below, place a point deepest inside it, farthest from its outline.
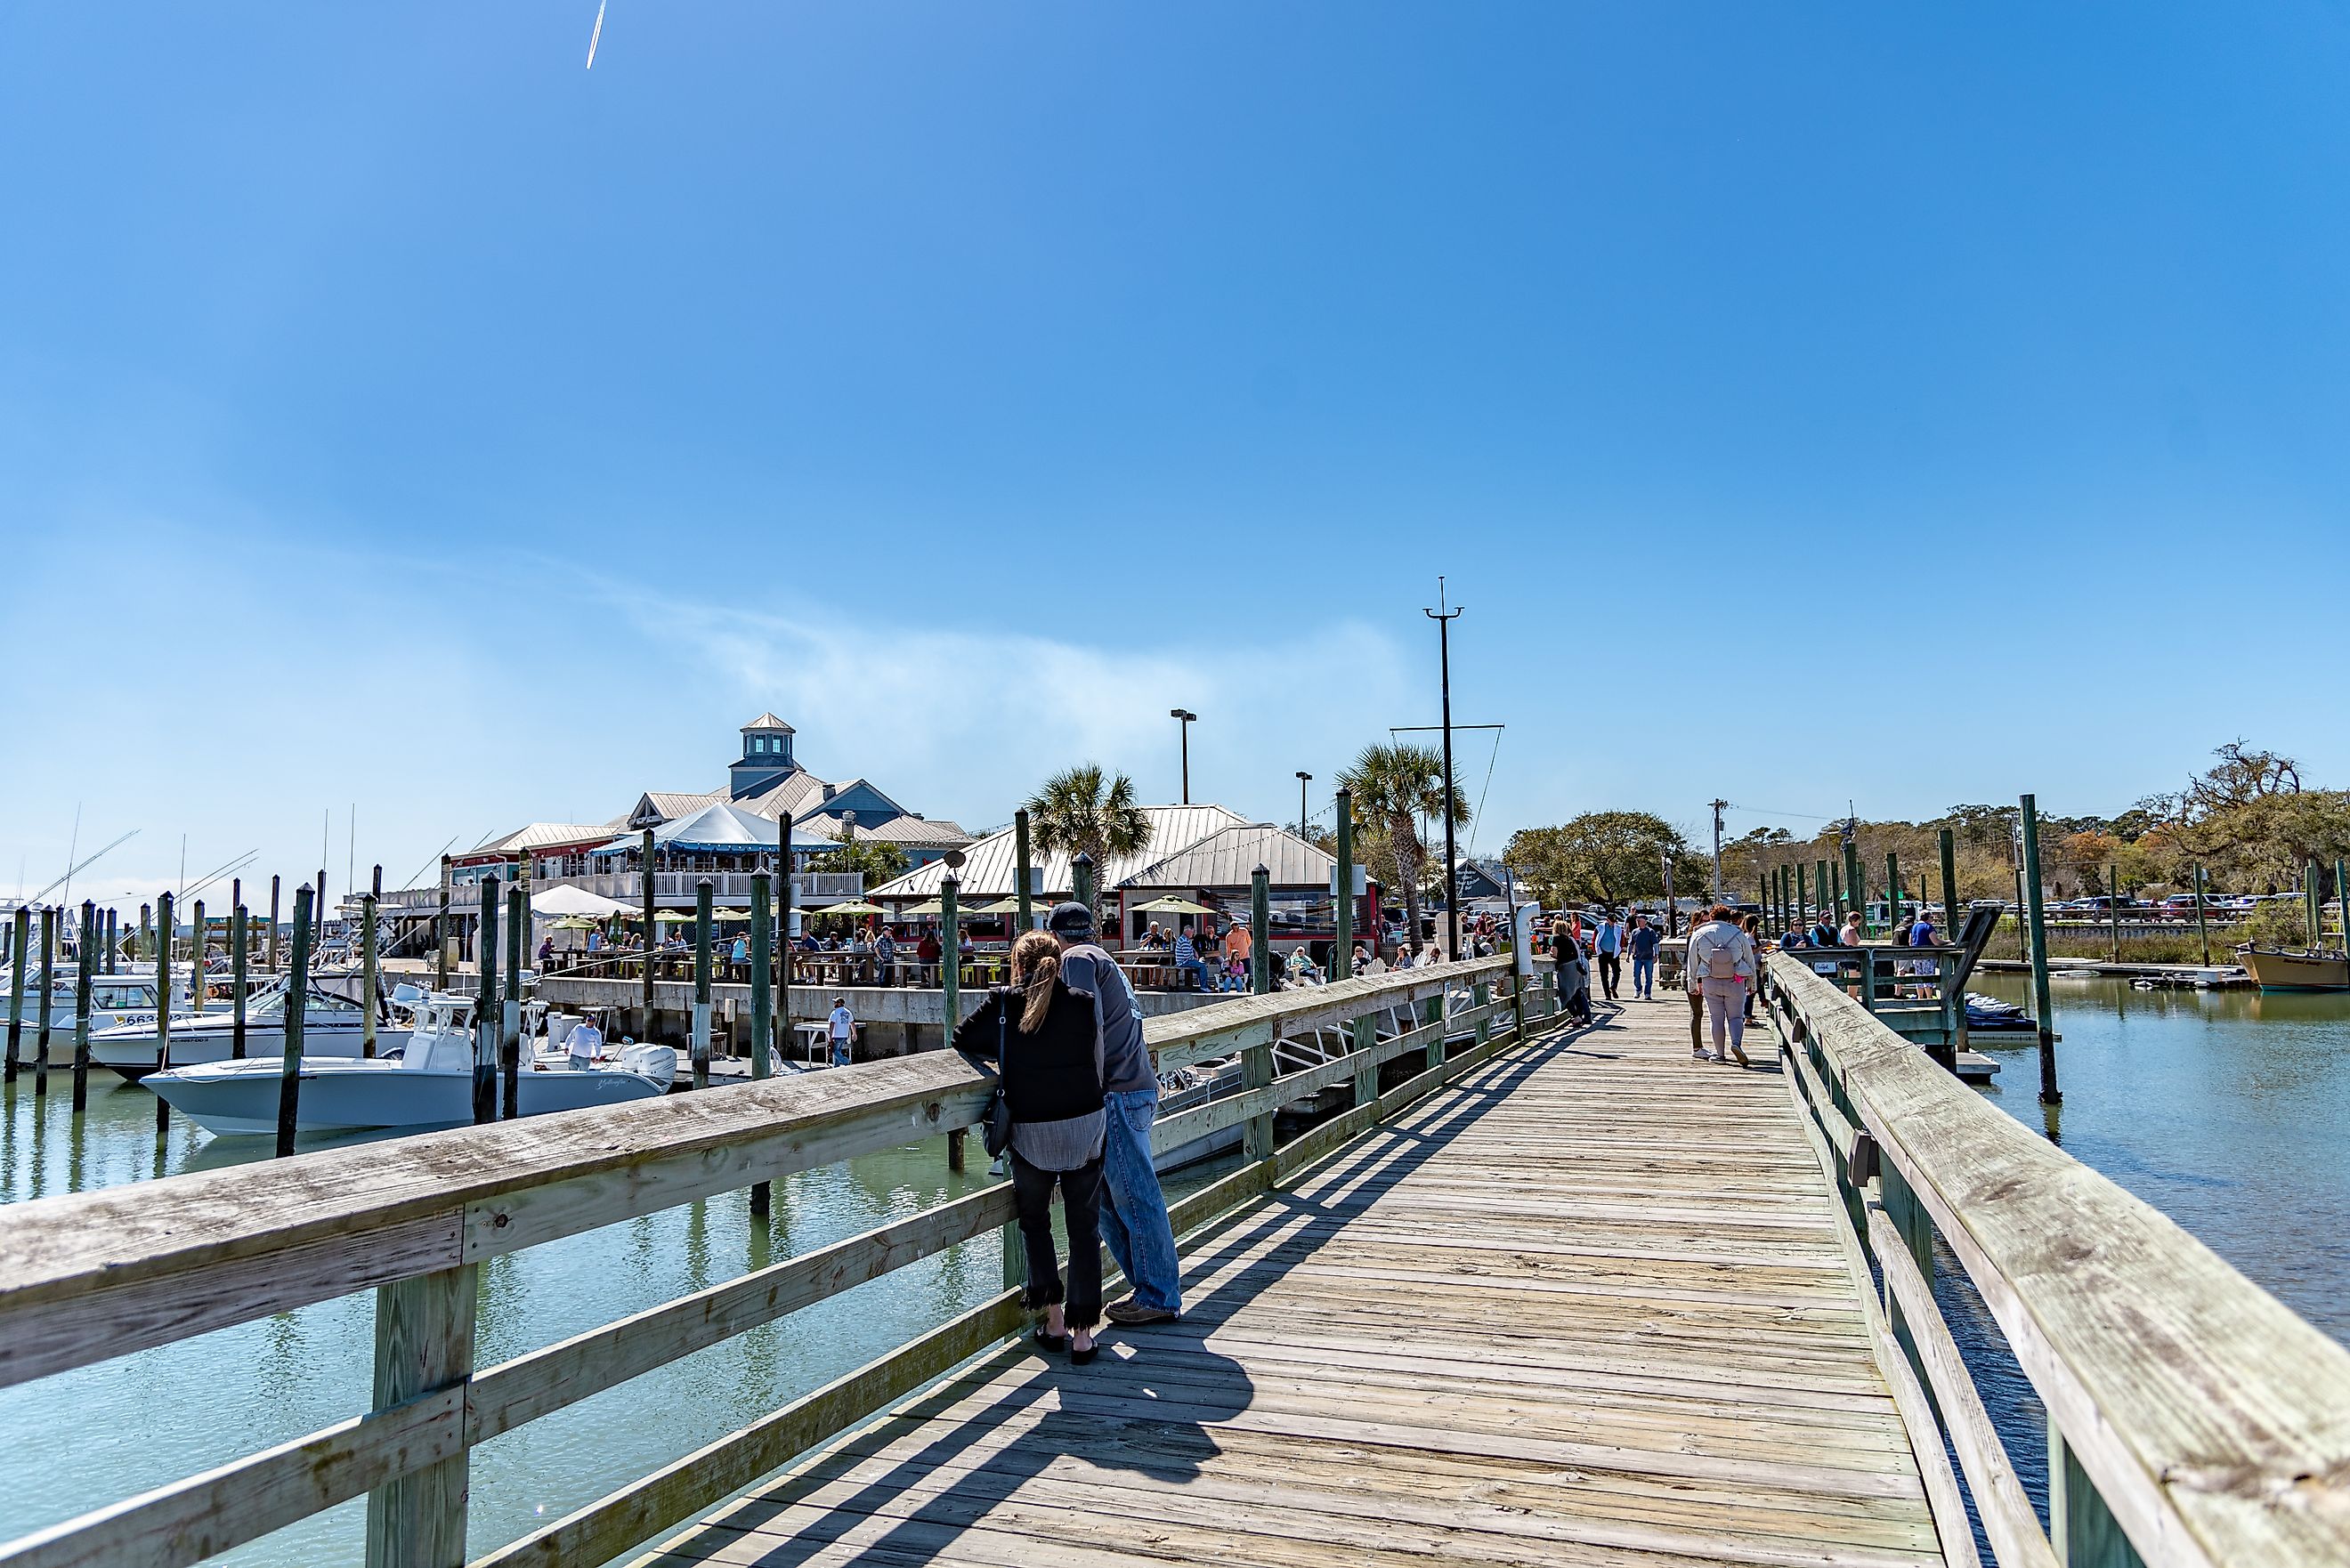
(1588, 1306)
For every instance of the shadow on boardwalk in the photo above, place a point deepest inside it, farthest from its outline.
(1148, 1407)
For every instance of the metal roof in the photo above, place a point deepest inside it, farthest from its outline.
(794, 792)
(911, 830)
(769, 721)
(1229, 860)
(988, 864)
(541, 835)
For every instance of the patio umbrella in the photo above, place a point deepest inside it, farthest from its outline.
(577, 923)
(855, 908)
(927, 907)
(1001, 907)
(675, 917)
(1171, 905)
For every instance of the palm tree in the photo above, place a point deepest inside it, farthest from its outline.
(1395, 785)
(1082, 811)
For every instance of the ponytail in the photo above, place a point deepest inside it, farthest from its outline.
(1035, 966)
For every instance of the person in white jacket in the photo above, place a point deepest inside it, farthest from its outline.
(1721, 969)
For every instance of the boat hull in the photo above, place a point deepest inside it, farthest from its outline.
(2274, 969)
(234, 1099)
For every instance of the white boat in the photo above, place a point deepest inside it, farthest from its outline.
(332, 1026)
(429, 1083)
(116, 1001)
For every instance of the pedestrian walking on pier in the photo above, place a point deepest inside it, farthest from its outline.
(1046, 1039)
(1607, 942)
(1134, 1222)
(844, 1030)
(1643, 940)
(1720, 969)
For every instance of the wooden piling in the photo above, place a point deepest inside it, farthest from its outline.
(20, 937)
(1081, 875)
(162, 1001)
(441, 933)
(1835, 877)
(652, 929)
(951, 951)
(113, 943)
(1261, 931)
(273, 924)
(2311, 904)
(240, 927)
(763, 1009)
(297, 1008)
(196, 959)
(48, 986)
(783, 955)
(82, 972)
(1364, 1033)
(370, 980)
(510, 1015)
(2114, 905)
(2342, 894)
(1803, 897)
(2202, 926)
(1893, 898)
(2037, 926)
(1023, 872)
(1948, 844)
(1855, 887)
(485, 1002)
(700, 1038)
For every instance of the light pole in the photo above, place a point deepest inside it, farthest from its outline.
(1304, 778)
(1183, 717)
(1444, 618)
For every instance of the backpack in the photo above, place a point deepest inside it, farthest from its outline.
(1721, 960)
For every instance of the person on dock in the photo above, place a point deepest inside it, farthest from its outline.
(1048, 1039)
(1237, 945)
(583, 1044)
(1753, 926)
(1607, 942)
(1643, 941)
(885, 956)
(1574, 971)
(1823, 931)
(1850, 936)
(843, 1028)
(1134, 1222)
(1721, 970)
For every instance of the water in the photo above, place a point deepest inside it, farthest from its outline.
(88, 1438)
(2225, 1109)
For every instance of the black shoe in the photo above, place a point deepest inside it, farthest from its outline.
(1057, 1343)
(1085, 1357)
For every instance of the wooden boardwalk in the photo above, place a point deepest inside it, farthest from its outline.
(1589, 1307)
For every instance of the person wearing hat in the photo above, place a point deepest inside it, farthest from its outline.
(1134, 1223)
(844, 1030)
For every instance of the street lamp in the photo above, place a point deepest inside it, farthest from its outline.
(1183, 717)
(1304, 778)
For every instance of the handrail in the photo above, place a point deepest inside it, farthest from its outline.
(2193, 1414)
(90, 1276)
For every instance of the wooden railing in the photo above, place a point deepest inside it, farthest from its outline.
(2193, 1418)
(90, 1277)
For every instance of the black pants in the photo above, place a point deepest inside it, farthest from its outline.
(1081, 1215)
(1611, 966)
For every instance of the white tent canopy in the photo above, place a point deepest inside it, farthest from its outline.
(559, 901)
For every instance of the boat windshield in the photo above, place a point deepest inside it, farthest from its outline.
(271, 1003)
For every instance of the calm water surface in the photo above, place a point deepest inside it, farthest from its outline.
(92, 1436)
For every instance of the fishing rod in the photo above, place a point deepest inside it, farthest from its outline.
(239, 864)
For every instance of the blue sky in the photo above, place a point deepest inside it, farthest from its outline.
(394, 415)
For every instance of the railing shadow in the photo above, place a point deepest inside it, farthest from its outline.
(1147, 1407)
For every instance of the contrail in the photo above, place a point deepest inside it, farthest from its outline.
(598, 33)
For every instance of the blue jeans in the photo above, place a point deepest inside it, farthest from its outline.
(1196, 969)
(1134, 1224)
(1644, 977)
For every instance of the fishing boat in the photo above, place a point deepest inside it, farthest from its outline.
(425, 1082)
(2274, 968)
(116, 1001)
(332, 1026)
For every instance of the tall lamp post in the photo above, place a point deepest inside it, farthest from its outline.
(1444, 618)
(1183, 718)
(1304, 778)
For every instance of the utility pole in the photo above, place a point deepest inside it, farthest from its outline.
(1304, 778)
(1719, 807)
(1183, 718)
(1444, 616)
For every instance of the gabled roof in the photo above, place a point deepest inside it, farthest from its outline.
(769, 721)
(1229, 860)
(989, 864)
(828, 806)
(539, 836)
(923, 831)
(669, 805)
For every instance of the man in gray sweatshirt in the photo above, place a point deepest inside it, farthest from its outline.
(1134, 1223)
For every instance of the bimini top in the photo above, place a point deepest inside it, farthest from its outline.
(716, 829)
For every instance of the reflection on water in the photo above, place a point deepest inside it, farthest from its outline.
(95, 1436)
(2225, 1109)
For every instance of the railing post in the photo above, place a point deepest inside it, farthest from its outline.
(1909, 1218)
(2080, 1526)
(423, 1343)
(1434, 1013)
(1256, 1073)
(1480, 992)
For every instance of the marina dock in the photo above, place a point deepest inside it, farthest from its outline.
(1544, 1295)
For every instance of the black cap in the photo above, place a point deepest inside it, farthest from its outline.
(1073, 920)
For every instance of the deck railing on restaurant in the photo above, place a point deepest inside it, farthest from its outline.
(107, 1273)
(2194, 1420)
